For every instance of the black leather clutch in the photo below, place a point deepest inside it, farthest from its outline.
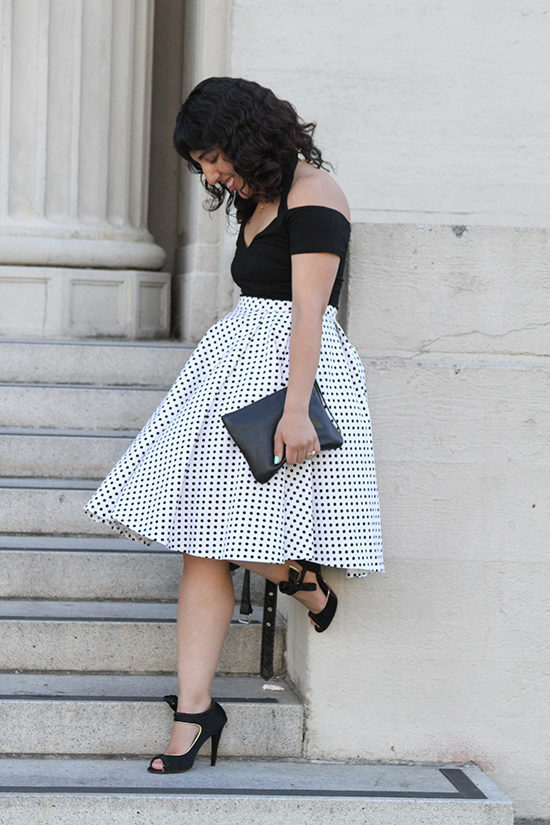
(253, 427)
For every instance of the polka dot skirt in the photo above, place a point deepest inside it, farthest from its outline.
(184, 483)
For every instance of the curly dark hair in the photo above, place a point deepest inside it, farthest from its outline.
(258, 132)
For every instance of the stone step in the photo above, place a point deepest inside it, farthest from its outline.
(43, 452)
(88, 406)
(88, 567)
(48, 507)
(124, 714)
(92, 362)
(266, 792)
(138, 637)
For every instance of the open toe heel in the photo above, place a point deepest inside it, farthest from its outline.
(210, 724)
(296, 582)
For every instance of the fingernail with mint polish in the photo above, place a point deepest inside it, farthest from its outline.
(276, 459)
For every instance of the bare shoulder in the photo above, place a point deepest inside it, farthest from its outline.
(315, 187)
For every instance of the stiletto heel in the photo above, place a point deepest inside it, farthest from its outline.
(210, 724)
(172, 700)
(325, 616)
(296, 583)
(214, 751)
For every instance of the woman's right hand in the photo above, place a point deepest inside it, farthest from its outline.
(295, 438)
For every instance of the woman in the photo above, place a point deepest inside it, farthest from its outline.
(183, 481)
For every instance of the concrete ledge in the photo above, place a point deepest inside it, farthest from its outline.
(77, 407)
(274, 792)
(115, 636)
(119, 714)
(47, 506)
(93, 361)
(94, 567)
(89, 574)
(67, 453)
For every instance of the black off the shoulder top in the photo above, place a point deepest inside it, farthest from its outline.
(263, 269)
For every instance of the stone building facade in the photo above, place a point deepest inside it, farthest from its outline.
(437, 122)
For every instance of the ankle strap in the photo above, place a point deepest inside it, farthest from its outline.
(196, 718)
(296, 580)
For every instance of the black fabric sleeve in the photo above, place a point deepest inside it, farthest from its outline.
(317, 229)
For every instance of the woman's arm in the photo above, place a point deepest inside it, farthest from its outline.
(313, 276)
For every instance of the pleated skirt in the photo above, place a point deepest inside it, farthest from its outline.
(183, 482)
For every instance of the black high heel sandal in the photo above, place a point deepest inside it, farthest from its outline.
(210, 723)
(296, 582)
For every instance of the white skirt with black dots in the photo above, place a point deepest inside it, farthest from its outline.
(184, 483)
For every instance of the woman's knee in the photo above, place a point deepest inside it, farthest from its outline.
(204, 564)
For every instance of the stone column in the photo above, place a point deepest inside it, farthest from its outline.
(76, 258)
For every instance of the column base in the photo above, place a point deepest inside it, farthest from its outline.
(196, 303)
(61, 302)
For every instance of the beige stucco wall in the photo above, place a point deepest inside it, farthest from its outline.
(434, 112)
(436, 118)
(446, 656)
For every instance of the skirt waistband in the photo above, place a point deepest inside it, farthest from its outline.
(252, 302)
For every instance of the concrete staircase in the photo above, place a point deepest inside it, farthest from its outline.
(88, 637)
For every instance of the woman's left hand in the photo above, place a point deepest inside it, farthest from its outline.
(295, 438)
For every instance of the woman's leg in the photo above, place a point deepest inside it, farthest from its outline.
(314, 600)
(205, 608)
